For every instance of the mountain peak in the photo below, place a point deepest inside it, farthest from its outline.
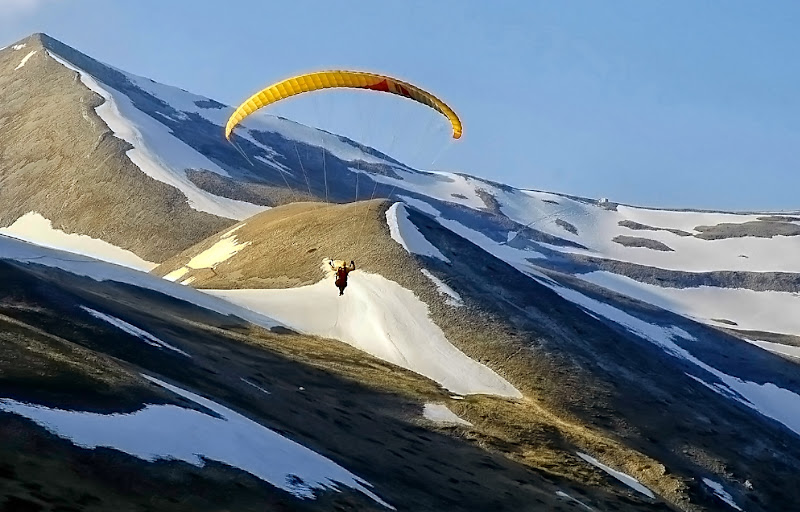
(36, 40)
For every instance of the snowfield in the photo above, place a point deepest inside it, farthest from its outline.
(452, 298)
(381, 318)
(158, 153)
(767, 399)
(224, 249)
(175, 433)
(184, 101)
(439, 413)
(751, 310)
(777, 348)
(622, 477)
(405, 233)
(33, 227)
(720, 492)
(134, 331)
(25, 59)
(570, 498)
(13, 249)
(596, 225)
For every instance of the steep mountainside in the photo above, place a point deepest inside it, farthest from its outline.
(155, 162)
(122, 390)
(495, 348)
(61, 160)
(621, 382)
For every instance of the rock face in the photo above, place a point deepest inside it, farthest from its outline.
(634, 241)
(760, 228)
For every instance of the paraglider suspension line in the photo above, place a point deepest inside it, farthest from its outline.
(302, 167)
(241, 151)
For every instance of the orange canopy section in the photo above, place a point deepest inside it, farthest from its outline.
(333, 79)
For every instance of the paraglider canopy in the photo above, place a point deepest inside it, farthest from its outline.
(346, 79)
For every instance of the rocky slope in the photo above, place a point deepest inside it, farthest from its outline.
(496, 348)
(621, 382)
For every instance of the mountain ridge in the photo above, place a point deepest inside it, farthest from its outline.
(610, 359)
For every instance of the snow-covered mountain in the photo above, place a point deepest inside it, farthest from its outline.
(607, 355)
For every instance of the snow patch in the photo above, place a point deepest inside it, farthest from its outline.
(33, 227)
(768, 311)
(453, 298)
(172, 432)
(622, 477)
(158, 153)
(380, 317)
(777, 348)
(221, 251)
(445, 186)
(767, 399)
(233, 230)
(405, 233)
(176, 274)
(25, 59)
(420, 205)
(13, 249)
(439, 413)
(19, 46)
(260, 121)
(224, 249)
(562, 494)
(135, 331)
(720, 492)
(255, 386)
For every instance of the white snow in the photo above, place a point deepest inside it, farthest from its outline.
(420, 205)
(185, 102)
(598, 226)
(224, 249)
(439, 413)
(274, 164)
(158, 153)
(622, 477)
(25, 59)
(720, 492)
(33, 227)
(172, 432)
(255, 386)
(518, 258)
(221, 251)
(135, 331)
(381, 318)
(176, 274)
(19, 46)
(405, 233)
(567, 496)
(453, 298)
(437, 184)
(291, 130)
(18, 250)
(777, 348)
(767, 399)
(768, 311)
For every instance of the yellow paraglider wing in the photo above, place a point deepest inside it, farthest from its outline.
(332, 79)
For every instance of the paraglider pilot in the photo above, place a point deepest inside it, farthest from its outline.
(341, 275)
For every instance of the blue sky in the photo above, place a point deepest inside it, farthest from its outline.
(680, 103)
